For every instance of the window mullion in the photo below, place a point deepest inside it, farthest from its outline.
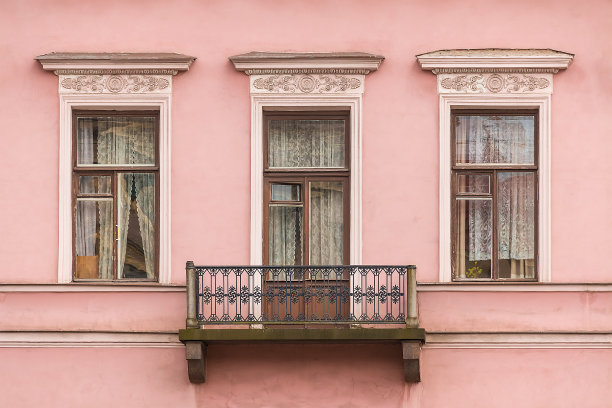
(306, 221)
(494, 249)
(115, 226)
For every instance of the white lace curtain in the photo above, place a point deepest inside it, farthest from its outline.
(120, 141)
(326, 223)
(482, 139)
(306, 143)
(495, 139)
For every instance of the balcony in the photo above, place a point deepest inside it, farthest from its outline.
(348, 304)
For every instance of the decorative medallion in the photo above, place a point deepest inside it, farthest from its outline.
(306, 83)
(493, 83)
(114, 83)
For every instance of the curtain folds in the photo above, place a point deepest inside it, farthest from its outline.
(306, 143)
(498, 140)
(116, 141)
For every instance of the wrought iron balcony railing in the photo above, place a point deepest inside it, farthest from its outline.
(301, 294)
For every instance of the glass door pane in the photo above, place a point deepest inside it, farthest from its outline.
(94, 238)
(136, 232)
(285, 234)
(474, 238)
(516, 224)
(326, 238)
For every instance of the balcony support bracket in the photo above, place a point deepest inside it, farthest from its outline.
(195, 353)
(411, 354)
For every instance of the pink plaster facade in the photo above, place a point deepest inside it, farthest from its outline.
(563, 355)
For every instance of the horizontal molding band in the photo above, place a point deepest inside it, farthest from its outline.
(421, 287)
(45, 339)
(89, 287)
(518, 340)
(434, 340)
(513, 287)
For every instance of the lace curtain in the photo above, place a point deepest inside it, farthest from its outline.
(499, 140)
(326, 223)
(306, 143)
(495, 139)
(119, 141)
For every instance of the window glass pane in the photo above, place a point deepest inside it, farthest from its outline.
(286, 192)
(473, 184)
(136, 214)
(326, 241)
(516, 224)
(116, 140)
(306, 143)
(285, 235)
(474, 238)
(494, 139)
(94, 184)
(94, 238)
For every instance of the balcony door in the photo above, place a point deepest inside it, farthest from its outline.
(306, 215)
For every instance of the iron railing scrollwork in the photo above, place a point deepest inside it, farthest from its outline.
(300, 294)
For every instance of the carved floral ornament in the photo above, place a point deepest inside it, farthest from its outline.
(495, 70)
(319, 73)
(305, 83)
(494, 83)
(113, 83)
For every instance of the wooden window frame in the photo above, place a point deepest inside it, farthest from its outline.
(303, 176)
(113, 171)
(492, 169)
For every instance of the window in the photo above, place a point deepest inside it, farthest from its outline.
(115, 195)
(495, 137)
(307, 82)
(306, 188)
(494, 194)
(113, 94)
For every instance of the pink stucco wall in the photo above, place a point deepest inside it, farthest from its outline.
(211, 119)
(211, 203)
(307, 376)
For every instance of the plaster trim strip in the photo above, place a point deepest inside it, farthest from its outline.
(505, 287)
(435, 340)
(89, 339)
(421, 287)
(518, 341)
(79, 287)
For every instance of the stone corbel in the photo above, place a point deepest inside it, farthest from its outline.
(195, 353)
(411, 354)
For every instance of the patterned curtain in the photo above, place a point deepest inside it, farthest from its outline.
(500, 140)
(306, 143)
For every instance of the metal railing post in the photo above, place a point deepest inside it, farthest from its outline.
(412, 317)
(192, 320)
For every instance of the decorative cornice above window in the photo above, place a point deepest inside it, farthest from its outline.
(272, 63)
(78, 63)
(115, 73)
(495, 70)
(494, 60)
(304, 73)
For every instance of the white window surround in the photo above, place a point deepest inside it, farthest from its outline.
(109, 81)
(305, 81)
(495, 78)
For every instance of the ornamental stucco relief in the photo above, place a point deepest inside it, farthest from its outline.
(114, 84)
(494, 83)
(315, 83)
